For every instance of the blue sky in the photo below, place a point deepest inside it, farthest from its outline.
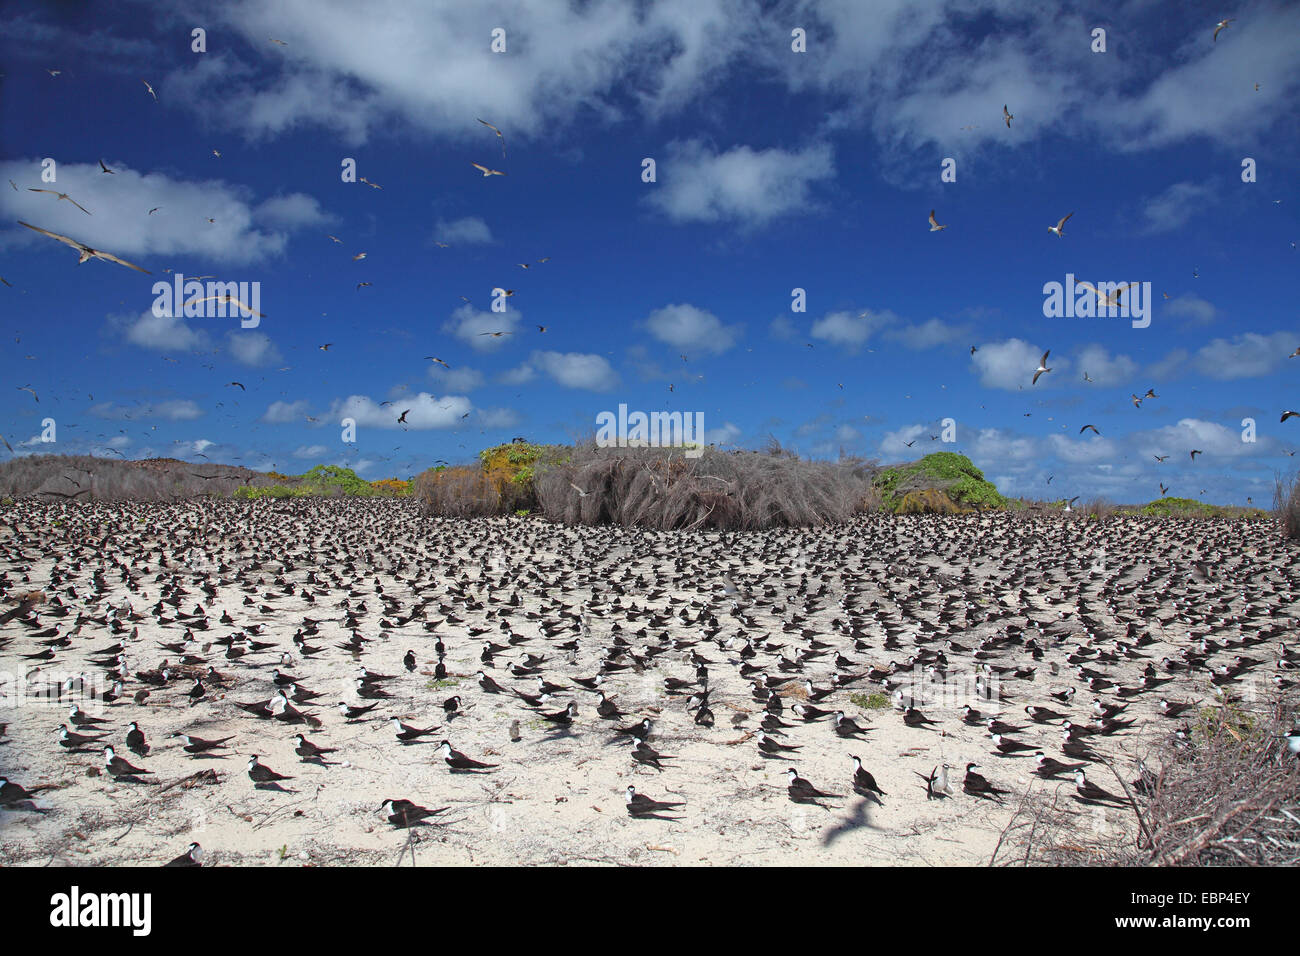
(775, 170)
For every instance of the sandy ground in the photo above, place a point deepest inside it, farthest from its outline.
(557, 798)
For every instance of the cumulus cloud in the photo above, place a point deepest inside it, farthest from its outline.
(1102, 367)
(1011, 364)
(282, 413)
(687, 327)
(426, 411)
(1197, 311)
(161, 333)
(570, 369)
(851, 330)
(459, 379)
(895, 442)
(1215, 440)
(726, 435)
(928, 334)
(468, 231)
(1174, 206)
(310, 451)
(1249, 355)
(242, 233)
(169, 333)
(173, 410)
(252, 348)
(470, 325)
(742, 185)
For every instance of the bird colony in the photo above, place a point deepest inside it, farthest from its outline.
(345, 681)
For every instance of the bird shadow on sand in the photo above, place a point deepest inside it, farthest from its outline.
(857, 820)
(274, 786)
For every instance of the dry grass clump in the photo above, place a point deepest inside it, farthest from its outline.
(1226, 795)
(464, 491)
(1286, 503)
(84, 477)
(663, 489)
(929, 501)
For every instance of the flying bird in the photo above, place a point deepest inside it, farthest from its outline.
(85, 250)
(105, 169)
(1042, 367)
(402, 418)
(1195, 452)
(150, 89)
(487, 172)
(1286, 415)
(1059, 228)
(1221, 25)
(934, 224)
(1106, 299)
(1094, 430)
(240, 384)
(434, 358)
(499, 136)
(61, 196)
(1006, 116)
(370, 184)
(27, 388)
(228, 299)
(496, 335)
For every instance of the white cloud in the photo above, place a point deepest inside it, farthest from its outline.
(1102, 367)
(687, 327)
(459, 379)
(310, 451)
(173, 410)
(1196, 310)
(282, 413)
(851, 330)
(1249, 355)
(726, 435)
(1010, 365)
(252, 348)
(426, 411)
(895, 442)
(120, 222)
(1215, 440)
(928, 334)
(469, 231)
(469, 325)
(1174, 207)
(570, 369)
(1085, 449)
(743, 185)
(160, 333)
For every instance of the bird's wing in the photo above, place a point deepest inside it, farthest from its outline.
(932, 220)
(1061, 224)
(1087, 285)
(122, 262)
(1045, 354)
(53, 235)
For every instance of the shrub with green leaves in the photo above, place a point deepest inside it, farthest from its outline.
(947, 471)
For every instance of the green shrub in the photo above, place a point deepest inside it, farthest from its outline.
(953, 474)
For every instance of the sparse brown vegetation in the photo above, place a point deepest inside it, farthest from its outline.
(1226, 795)
(1286, 502)
(661, 488)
